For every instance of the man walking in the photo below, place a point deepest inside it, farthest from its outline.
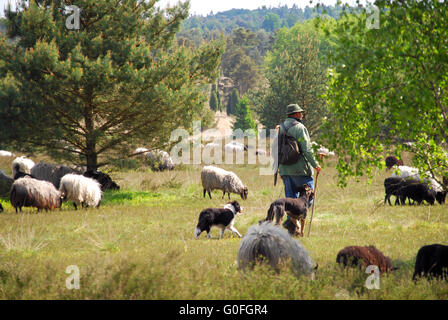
(299, 173)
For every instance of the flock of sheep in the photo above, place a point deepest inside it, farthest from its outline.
(45, 186)
(406, 183)
(270, 243)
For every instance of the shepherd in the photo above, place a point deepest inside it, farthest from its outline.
(295, 175)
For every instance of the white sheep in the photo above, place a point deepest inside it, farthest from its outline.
(4, 153)
(413, 173)
(80, 189)
(141, 151)
(160, 160)
(234, 146)
(216, 178)
(22, 164)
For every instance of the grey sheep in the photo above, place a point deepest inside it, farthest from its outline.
(5, 184)
(270, 243)
(214, 178)
(51, 172)
(30, 192)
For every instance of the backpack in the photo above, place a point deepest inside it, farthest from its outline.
(288, 146)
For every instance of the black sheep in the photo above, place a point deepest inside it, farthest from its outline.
(432, 261)
(1, 208)
(418, 192)
(440, 196)
(393, 185)
(104, 179)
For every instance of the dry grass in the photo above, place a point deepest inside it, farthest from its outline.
(140, 243)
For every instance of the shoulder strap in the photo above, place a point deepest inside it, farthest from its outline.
(292, 124)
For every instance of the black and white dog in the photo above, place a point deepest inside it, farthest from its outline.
(222, 218)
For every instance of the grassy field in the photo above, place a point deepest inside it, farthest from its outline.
(140, 243)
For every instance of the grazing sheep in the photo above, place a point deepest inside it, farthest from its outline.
(413, 173)
(393, 161)
(30, 192)
(392, 186)
(417, 192)
(80, 189)
(431, 261)
(51, 172)
(4, 153)
(212, 145)
(5, 184)
(160, 160)
(141, 151)
(235, 146)
(269, 243)
(104, 180)
(22, 164)
(405, 172)
(216, 178)
(364, 256)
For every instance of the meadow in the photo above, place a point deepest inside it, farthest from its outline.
(139, 244)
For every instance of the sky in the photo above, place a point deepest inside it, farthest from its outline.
(204, 7)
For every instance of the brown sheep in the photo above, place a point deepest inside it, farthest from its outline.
(30, 192)
(364, 256)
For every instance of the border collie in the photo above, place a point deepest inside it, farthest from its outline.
(222, 218)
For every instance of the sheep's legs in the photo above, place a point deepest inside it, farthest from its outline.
(76, 207)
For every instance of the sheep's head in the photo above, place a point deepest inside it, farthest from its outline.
(244, 193)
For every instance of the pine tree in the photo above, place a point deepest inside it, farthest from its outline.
(233, 101)
(213, 99)
(88, 95)
(244, 118)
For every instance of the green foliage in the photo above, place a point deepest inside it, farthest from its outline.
(296, 74)
(86, 95)
(388, 86)
(271, 22)
(233, 101)
(244, 118)
(214, 102)
(241, 61)
(253, 20)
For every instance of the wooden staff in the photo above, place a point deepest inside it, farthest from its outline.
(314, 201)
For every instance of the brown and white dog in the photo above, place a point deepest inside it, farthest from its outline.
(295, 208)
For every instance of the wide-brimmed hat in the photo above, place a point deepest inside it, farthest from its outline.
(293, 108)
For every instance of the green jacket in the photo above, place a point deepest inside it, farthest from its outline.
(306, 160)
